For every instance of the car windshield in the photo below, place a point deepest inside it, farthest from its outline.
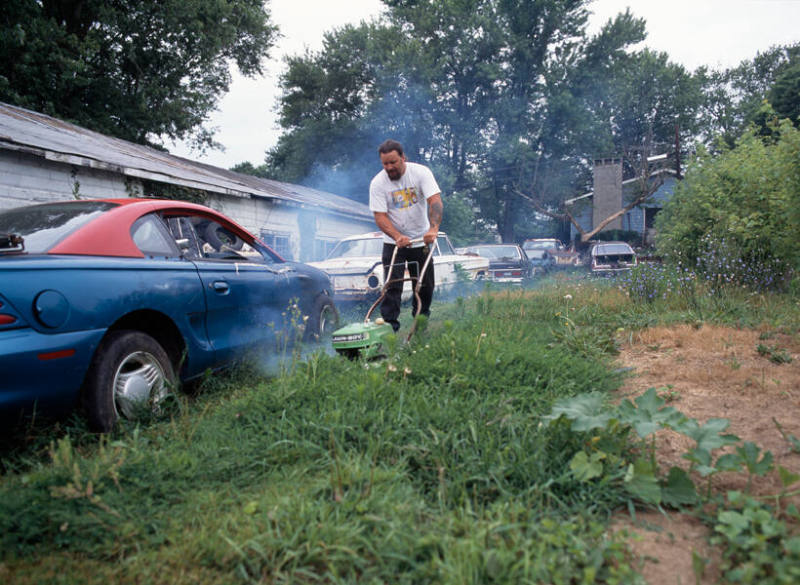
(444, 247)
(357, 248)
(612, 249)
(497, 252)
(539, 245)
(43, 226)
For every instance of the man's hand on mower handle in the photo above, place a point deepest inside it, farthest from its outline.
(405, 241)
(430, 236)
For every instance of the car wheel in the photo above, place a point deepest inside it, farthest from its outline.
(220, 238)
(323, 320)
(131, 376)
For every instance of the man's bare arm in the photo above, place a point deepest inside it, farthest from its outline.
(387, 227)
(435, 211)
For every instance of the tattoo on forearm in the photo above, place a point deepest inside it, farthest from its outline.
(435, 214)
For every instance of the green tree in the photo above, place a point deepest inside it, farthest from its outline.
(734, 97)
(784, 95)
(137, 70)
(248, 168)
(482, 90)
(748, 196)
(609, 102)
(498, 96)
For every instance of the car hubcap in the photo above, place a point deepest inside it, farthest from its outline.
(139, 384)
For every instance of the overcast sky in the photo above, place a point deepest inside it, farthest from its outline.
(717, 33)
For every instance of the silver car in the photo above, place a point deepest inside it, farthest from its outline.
(609, 258)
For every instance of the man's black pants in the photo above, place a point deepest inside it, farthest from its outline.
(390, 307)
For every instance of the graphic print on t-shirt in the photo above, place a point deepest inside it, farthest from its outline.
(404, 198)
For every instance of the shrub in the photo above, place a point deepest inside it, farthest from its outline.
(744, 203)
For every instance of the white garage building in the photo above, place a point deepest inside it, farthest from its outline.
(44, 159)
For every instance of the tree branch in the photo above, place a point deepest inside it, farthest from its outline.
(558, 216)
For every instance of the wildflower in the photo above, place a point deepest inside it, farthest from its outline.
(568, 297)
(406, 371)
(391, 368)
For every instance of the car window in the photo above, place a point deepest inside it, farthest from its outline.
(507, 252)
(357, 248)
(151, 237)
(605, 249)
(497, 252)
(185, 237)
(200, 237)
(43, 226)
(445, 247)
(542, 245)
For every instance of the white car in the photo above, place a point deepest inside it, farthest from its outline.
(354, 267)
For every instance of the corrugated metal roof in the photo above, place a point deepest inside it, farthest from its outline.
(27, 131)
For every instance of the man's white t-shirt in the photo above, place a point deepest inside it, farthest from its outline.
(405, 200)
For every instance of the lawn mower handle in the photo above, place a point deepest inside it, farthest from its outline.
(387, 281)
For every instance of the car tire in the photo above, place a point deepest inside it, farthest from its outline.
(131, 376)
(221, 239)
(323, 320)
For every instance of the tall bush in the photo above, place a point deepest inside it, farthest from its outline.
(747, 197)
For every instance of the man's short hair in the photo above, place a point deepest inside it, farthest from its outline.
(390, 145)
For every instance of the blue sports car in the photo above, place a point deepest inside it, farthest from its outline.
(110, 304)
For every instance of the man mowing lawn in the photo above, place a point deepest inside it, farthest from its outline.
(407, 204)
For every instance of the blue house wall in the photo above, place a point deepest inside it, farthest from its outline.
(634, 219)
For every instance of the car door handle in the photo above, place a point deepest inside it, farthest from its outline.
(220, 286)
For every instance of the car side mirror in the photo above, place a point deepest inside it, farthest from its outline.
(183, 244)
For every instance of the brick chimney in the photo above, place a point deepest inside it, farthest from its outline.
(607, 197)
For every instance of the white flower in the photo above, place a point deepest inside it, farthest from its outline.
(568, 297)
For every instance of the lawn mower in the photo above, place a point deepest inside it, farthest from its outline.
(368, 338)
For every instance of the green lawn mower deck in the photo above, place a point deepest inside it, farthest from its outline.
(365, 339)
(368, 338)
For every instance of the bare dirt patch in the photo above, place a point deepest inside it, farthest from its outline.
(710, 372)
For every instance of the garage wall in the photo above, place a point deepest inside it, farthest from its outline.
(27, 178)
(297, 233)
(263, 217)
(311, 233)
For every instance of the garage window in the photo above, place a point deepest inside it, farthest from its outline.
(322, 248)
(278, 242)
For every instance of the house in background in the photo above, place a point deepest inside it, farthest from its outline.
(611, 193)
(44, 159)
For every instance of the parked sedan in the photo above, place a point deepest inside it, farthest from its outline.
(354, 266)
(609, 258)
(508, 263)
(540, 252)
(547, 253)
(111, 303)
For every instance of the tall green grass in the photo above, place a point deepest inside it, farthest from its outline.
(438, 464)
